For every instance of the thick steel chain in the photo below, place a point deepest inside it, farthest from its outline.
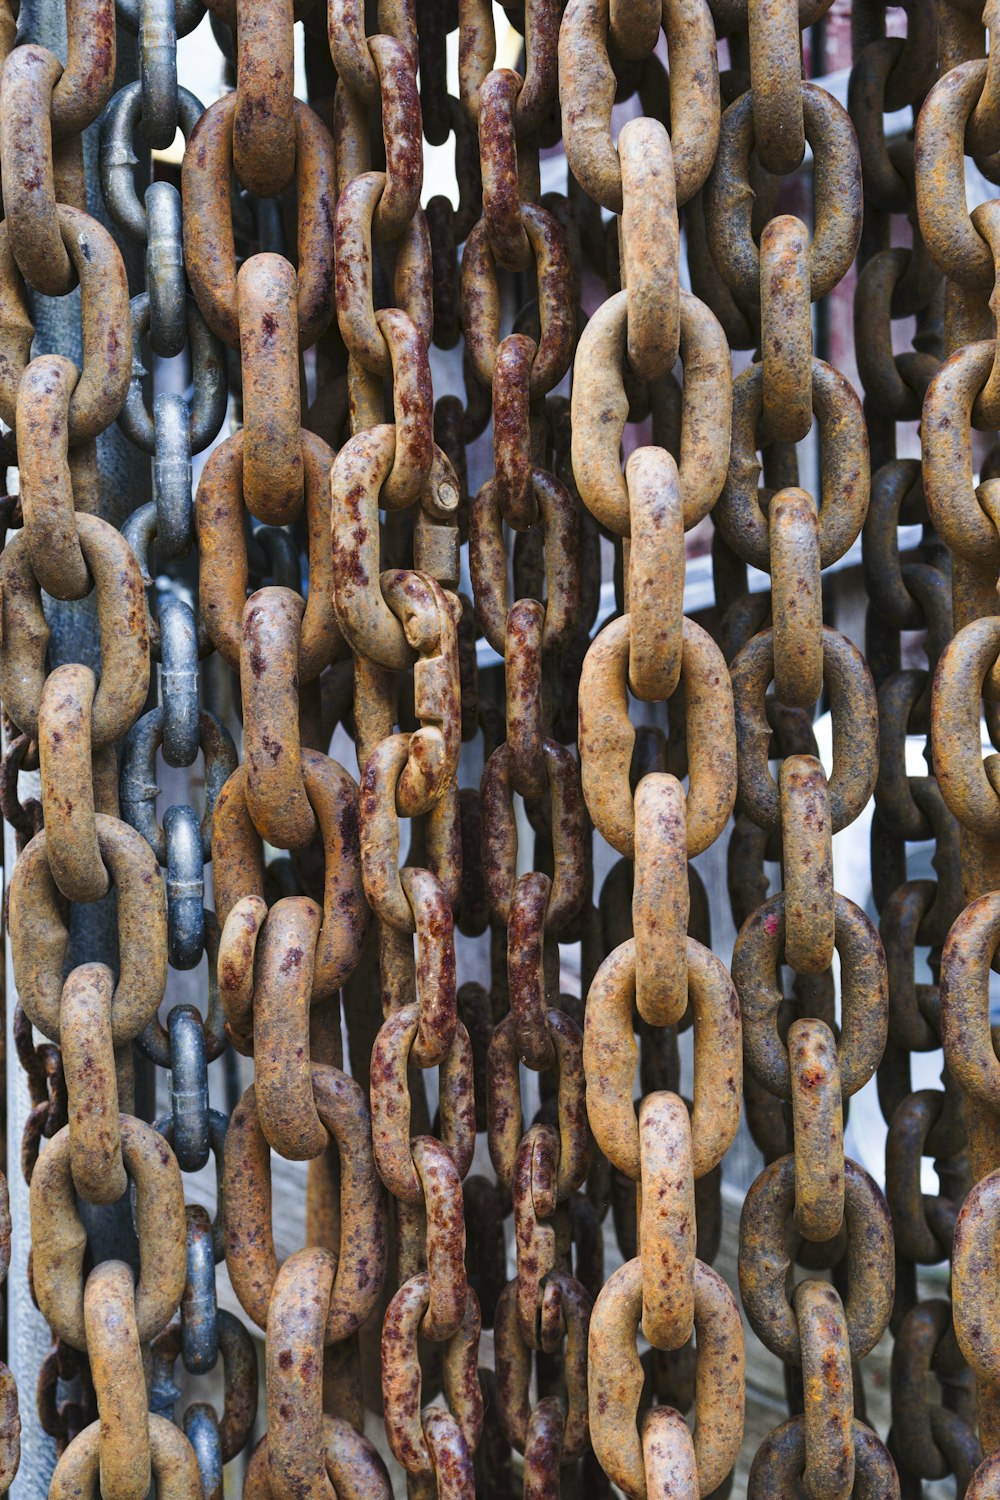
(490, 1018)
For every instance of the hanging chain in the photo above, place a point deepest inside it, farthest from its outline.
(437, 911)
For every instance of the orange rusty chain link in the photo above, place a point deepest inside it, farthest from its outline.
(377, 618)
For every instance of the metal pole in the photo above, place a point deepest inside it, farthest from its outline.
(125, 483)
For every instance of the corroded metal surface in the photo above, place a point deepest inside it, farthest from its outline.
(389, 946)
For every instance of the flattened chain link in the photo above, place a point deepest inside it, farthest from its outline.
(337, 582)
